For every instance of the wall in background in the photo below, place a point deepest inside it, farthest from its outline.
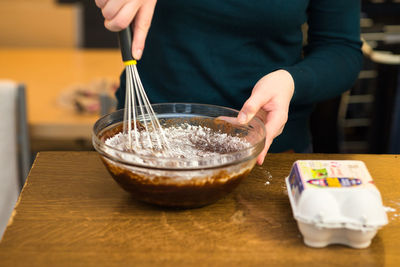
(39, 23)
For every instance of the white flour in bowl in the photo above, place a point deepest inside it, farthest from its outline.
(185, 141)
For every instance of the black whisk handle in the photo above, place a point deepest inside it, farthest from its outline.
(125, 43)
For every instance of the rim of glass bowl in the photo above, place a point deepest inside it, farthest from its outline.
(164, 163)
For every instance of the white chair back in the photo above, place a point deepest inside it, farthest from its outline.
(12, 176)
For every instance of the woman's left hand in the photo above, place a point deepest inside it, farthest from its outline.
(269, 101)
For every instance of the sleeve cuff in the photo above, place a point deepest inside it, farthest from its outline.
(303, 79)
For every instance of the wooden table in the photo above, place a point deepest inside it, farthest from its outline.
(48, 72)
(71, 213)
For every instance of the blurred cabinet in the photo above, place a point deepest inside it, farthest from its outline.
(368, 118)
(355, 114)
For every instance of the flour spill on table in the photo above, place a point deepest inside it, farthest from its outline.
(269, 178)
(393, 213)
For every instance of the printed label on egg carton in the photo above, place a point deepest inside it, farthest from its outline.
(327, 174)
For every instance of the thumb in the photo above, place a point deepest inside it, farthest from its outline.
(252, 105)
(141, 27)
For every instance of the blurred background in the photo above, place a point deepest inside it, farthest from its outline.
(66, 64)
(366, 119)
(60, 67)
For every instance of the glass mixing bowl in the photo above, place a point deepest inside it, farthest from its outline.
(178, 182)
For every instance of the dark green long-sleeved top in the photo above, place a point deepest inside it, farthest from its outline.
(214, 52)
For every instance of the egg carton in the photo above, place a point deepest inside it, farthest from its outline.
(335, 202)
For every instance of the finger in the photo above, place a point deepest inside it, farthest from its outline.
(268, 142)
(263, 154)
(274, 124)
(123, 18)
(101, 3)
(257, 99)
(231, 120)
(141, 28)
(111, 8)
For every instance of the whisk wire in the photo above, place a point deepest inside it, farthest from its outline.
(134, 111)
(136, 100)
(144, 115)
(160, 136)
(127, 111)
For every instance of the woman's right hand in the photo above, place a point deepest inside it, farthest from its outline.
(118, 14)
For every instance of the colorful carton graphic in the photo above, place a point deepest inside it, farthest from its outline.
(319, 173)
(335, 182)
(322, 174)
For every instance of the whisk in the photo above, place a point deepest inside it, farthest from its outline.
(147, 132)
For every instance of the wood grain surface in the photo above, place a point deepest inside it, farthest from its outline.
(72, 213)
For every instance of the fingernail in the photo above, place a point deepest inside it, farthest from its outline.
(138, 53)
(242, 117)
